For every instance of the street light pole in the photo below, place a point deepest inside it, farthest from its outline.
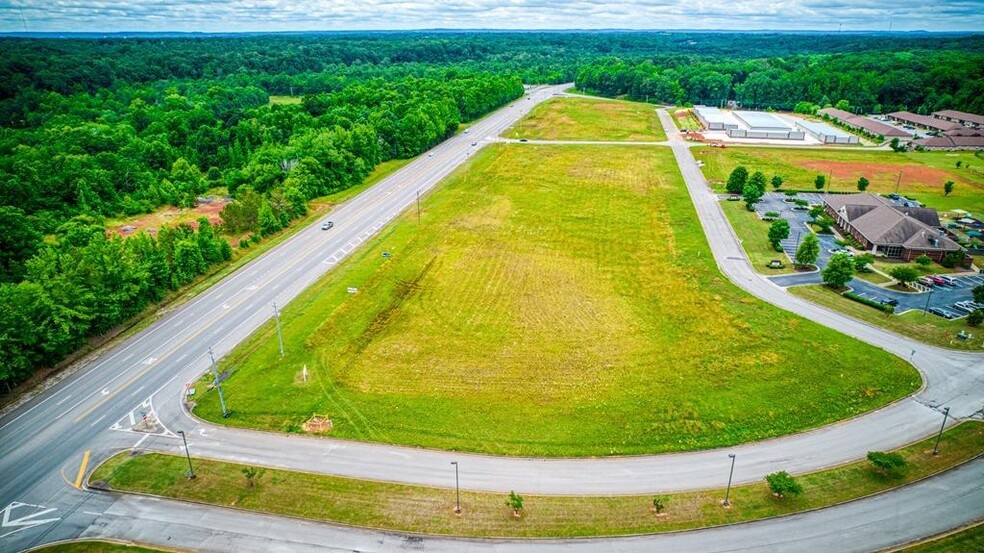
(218, 385)
(936, 447)
(191, 471)
(727, 493)
(280, 336)
(926, 310)
(457, 490)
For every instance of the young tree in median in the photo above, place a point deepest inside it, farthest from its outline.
(839, 271)
(948, 187)
(888, 464)
(659, 503)
(250, 474)
(737, 180)
(752, 194)
(515, 502)
(905, 275)
(808, 251)
(861, 262)
(782, 484)
(758, 179)
(820, 182)
(862, 184)
(778, 231)
(777, 181)
(978, 293)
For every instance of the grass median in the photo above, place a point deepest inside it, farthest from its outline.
(97, 547)
(915, 324)
(430, 510)
(754, 235)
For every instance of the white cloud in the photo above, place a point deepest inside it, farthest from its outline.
(287, 15)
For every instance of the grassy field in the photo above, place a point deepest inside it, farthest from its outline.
(685, 120)
(590, 119)
(964, 541)
(96, 547)
(914, 324)
(754, 235)
(430, 510)
(556, 301)
(923, 173)
(275, 100)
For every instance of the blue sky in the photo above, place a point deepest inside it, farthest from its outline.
(305, 15)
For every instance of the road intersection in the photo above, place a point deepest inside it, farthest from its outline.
(45, 441)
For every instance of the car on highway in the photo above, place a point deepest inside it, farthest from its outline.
(523, 140)
(430, 154)
(474, 143)
(327, 225)
(466, 131)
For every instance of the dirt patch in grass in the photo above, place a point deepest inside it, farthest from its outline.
(911, 173)
(169, 216)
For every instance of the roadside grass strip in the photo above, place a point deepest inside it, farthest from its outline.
(431, 510)
(915, 324)
(963, 541)
(754, 235)
(86, 546)
(551, 301)
(590, 119)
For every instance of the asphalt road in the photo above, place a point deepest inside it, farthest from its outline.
(42, 444)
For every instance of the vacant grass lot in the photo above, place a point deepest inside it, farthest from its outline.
(914, 324)
(754, 235)
(556, 301)
(590, 119)
(923, 173)
(429, 510)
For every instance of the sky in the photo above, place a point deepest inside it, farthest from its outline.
(342, 15)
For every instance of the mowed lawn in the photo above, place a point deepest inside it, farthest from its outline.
(923, 173)
(590, 119)
(552, 301)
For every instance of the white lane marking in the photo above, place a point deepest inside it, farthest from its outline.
(26, 521)
(105, 391)
(64, 400)
(149, 361)
(91, 513)
(137, 391)
(95, 422)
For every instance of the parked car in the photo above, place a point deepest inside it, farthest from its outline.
(938, 280)
(942, 313)
(890, 301)
(961, 307)
(926, 281)
(949, 281)
(327, 225)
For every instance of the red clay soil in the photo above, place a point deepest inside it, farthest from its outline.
(843, 170)
(170, 216)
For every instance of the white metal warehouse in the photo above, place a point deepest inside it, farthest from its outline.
(825, 133)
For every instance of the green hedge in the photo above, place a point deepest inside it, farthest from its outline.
(869, 302)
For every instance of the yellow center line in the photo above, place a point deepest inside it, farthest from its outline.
(85, 462)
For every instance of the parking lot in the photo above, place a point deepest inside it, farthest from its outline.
(940, 297)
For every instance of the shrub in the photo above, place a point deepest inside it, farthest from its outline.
(659, 503)
(976, 317)
(772, 214)
(905, 275)
(923, 260)
(515, 502)
(869, 302)
(782, 484)
(888, 464)
(952, 259)
(801, 202)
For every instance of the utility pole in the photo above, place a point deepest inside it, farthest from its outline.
(280, 336)
(457, 490)
(191, 471)
(218, 385)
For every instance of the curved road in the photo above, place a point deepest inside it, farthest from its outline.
(44, 442)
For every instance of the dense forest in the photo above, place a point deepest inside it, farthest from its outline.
(113, 127)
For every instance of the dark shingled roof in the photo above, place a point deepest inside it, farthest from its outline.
(925, 121)
(883, 223)
(959, 116)
(861, 122)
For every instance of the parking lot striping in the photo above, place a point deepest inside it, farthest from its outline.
(81, 474)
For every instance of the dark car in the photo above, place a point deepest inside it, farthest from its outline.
(890, 301)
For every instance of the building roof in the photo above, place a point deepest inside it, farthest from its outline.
(866, 123)
(821, 128)
(761, 120)
(883, 223)
(957, 141)
(714, 115)
(925, 121)
(960, 116)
